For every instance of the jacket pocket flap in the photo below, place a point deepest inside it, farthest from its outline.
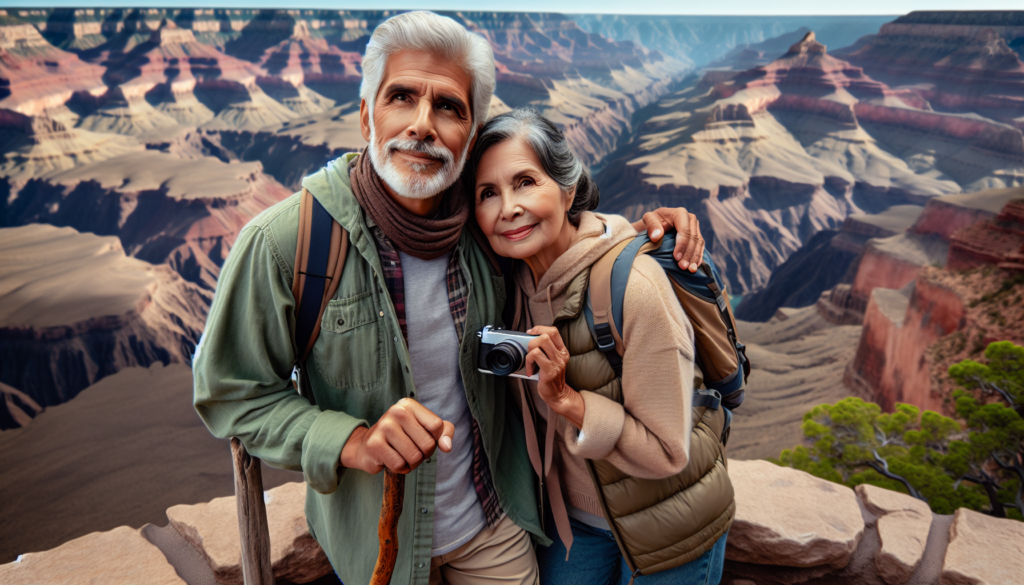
(345, 314)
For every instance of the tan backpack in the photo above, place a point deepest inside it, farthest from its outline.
(719, 353)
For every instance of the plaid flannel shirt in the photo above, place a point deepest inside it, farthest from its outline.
(458, 296)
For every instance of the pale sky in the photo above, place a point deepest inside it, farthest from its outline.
(688, 7)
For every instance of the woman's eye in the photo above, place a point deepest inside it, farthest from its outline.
(486, 195)
(525, 182)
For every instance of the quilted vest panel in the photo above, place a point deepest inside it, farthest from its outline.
(658, 524)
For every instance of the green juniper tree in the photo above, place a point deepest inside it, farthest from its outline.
(975, 464)
(991, 457)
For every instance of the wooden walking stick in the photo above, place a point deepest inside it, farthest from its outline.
(387, 527)
(252, 517)
(255, 533)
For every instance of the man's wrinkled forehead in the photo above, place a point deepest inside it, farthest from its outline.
(417, 71)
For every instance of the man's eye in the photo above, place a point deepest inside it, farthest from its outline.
(446, 107)
(401, 97)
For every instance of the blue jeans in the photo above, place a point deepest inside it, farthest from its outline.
(596, 560)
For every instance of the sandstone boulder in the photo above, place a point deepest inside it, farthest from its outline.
(903, 527)
(121, 556)
(212, 528)
(983, 550)
(788, 517)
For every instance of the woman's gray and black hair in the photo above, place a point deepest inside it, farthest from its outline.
(551, 148)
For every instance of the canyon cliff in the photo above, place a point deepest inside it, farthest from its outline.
(75, 309)
(926, 309)
(769, 156)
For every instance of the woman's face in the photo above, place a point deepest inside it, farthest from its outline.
(519, 207)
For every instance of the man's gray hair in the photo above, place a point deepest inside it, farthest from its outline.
(437, 35)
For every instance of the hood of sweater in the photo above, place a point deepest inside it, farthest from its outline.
(596, 234)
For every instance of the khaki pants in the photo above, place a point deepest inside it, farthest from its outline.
(502, 555)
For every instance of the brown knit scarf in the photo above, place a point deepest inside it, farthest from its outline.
(425, 238)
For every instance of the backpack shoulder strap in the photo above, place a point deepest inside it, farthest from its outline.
(603, 305)
(319, 259)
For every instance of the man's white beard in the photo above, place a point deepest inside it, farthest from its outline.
(415, 186)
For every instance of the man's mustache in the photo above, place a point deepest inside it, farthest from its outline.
(420, 147)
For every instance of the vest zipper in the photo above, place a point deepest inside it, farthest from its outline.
(634, 576)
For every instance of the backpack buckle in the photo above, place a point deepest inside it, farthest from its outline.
(603, 337)
(708, 398)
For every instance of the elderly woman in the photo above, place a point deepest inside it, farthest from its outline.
(625, 498)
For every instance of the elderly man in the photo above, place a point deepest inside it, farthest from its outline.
(415, 287)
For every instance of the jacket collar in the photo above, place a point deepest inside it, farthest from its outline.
(333, 189)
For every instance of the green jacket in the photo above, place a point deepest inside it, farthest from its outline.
(359, 367)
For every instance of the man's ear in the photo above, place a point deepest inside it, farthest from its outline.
(364, 120)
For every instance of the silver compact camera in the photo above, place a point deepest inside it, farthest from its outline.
(503, 353)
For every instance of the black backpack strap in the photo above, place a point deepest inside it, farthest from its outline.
(320, 253)
(315, 272)
(732, 398)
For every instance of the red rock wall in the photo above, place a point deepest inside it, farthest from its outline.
(998, 242)
(891, 357)
(942, 218)
(991, 137)
(878, 269)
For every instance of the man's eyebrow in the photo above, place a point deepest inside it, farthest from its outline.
(398, 88)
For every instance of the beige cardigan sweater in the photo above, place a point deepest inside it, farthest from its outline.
(648, 435)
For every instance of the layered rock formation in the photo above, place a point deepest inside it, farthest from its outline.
(766, 158)
(999, 241)
(958, 61)
(826, 262)
(893, 262)
(36, 146)
(750, 55)
(919, 318)
(304, 67)
(183, 211)
(56, 338)
(172, 79)
(790, 527)
(37, 78)
(586, 84)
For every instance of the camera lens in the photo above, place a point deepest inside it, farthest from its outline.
(505, 358)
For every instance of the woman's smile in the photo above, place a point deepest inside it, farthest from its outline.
(519, 233)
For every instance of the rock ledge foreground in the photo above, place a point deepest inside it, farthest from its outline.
(790, 528)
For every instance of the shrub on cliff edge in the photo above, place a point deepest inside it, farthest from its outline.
(973, 463)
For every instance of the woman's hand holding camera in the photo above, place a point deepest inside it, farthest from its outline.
(548, 355)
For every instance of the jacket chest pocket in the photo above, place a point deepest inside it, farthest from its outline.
(350, 351)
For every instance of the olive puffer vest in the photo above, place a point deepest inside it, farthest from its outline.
(658, 524)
